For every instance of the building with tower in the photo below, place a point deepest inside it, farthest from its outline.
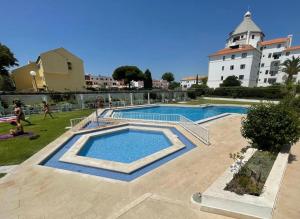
(249, 57)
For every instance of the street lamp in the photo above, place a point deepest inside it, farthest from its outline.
(33, 74)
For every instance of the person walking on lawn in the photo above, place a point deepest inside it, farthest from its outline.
(46, 110)
(19, 113)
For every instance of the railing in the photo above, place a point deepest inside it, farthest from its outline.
(75, 126)
(147, 116)
(197, 130)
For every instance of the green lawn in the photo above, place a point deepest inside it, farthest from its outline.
(211, 101)
(16, 150)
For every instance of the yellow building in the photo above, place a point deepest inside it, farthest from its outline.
(55, 70)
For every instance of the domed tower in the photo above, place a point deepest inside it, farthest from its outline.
(246, 33)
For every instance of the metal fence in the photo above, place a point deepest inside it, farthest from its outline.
(197, 130)
(32, 102)
(147, 116)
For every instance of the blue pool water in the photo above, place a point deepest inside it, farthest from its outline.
(53, 160)
(125, 146)
(192, 113)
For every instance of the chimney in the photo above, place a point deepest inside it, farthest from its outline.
(290, 40)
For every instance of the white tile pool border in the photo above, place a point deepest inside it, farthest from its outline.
(71, 156)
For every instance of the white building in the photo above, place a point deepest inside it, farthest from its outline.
(137, 84)
(187, 82)
(163, 84)
(246, 55)
(99, 81)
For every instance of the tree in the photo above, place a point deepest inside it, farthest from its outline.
(231, 81)
(270, 127)
(168, 76)
(7, 60)
(197, 80)
(147, 79)
(291, 67)
(173, 85)
(204, 80)
(128, 74)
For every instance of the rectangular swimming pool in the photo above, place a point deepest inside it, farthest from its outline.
(192, 113)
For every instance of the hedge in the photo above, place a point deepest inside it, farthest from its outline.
(274, 92)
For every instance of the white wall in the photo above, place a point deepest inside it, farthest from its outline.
(265, 65)
(251, 63)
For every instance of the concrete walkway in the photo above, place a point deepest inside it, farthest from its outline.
(288, 204)
(7, 169)
(33, 191)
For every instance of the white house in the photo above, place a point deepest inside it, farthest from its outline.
(187, 82)
(137, 84)
(246, 55)
(98, 81)
(163, 84)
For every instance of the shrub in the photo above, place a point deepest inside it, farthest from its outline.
(292, 102)
(270, 126)
(231, 81)
(249, 92)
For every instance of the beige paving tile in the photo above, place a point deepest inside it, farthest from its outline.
(32, 191)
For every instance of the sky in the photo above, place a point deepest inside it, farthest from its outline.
(161, 35)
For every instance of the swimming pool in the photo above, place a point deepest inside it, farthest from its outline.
(192, 113)
(125, 146)
(150, 160)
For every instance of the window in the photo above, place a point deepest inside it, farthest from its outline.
(236, 39)
(261, 48)
(253, 36)
(272, 80)
(279, 45)
(223, 68)
(221, 78)
(223, 58)
(276, 63)
(241, 77)
(270, 55)
(69, 65)
(287, 53)
(231, 67)
(242, 66)
(244, 55)
(267, 72)
(265, 80)
(276, 55)
(232, 56)
(262, 64)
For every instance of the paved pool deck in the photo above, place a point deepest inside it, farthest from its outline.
(33, 191)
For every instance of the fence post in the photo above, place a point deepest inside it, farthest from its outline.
(82, 101)
(131, 99)
(109, 99)
(148, 98)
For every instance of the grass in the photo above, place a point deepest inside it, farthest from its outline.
(211, 101)
(253, 175)
(16, 150)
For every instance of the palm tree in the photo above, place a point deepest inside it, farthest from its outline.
(291, 67)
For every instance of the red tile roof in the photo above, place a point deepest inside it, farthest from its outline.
(292, 48)
(225, 51)
(274, 41)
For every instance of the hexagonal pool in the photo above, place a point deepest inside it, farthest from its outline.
(125, 146)
(123, 152)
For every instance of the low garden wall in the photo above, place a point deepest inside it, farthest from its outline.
(217, 200)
